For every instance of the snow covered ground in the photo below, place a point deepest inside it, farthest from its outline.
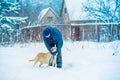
(81, 61)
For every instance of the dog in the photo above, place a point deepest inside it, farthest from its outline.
(45, 58)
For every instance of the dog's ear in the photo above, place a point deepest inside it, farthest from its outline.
(51, 49)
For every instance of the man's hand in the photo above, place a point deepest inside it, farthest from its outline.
(54, 53)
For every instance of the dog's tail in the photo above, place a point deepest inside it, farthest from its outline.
(31, 60)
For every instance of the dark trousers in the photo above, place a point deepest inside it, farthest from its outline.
(59, 60)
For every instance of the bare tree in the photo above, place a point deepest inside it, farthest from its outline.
(104, 10)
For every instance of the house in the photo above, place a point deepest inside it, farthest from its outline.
(54, 15)
(78, 16)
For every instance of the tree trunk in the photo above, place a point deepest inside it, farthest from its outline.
(98, 33)
(118, 32)
(111, 35)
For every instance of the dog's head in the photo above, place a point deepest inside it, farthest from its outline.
(53, 49)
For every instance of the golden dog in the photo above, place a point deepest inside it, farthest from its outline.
(45, 58)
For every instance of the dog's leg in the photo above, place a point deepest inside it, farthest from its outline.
(54, 61)
(50, 61)
(40, 63)
(36, 61)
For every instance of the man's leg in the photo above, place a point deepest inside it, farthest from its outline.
(59, 60)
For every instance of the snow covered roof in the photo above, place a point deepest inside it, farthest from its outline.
(44, 12)
(75, 10)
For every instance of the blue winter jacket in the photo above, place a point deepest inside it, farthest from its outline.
(55, 39)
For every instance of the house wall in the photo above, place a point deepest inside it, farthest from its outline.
(49, 14)
(65, 15)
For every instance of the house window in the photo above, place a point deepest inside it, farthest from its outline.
(65, 10)
(49, 19)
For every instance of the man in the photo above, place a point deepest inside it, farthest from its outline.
(51, 37)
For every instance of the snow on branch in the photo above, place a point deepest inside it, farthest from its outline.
(13, 20)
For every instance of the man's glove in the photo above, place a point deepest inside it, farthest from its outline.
(54, 53)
